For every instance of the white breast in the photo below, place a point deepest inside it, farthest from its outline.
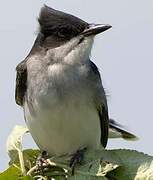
(65, 129)
(61, 115)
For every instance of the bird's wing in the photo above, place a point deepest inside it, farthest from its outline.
(100, 102)
(103, 116)
(21, 83)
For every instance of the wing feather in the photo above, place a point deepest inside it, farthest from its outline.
(21, 83)
(100, 102)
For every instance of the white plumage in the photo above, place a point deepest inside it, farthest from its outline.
(62, 117)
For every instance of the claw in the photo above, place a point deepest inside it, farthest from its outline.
(41, 161)
(77, 158)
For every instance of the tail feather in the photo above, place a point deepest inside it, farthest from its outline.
(116, 131)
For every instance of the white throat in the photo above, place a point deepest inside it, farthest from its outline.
(73, 52)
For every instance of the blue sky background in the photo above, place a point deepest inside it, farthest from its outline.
(124, 55)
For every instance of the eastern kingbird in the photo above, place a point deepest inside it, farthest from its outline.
(60, 88)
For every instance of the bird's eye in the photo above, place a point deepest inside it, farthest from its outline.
(62, 32)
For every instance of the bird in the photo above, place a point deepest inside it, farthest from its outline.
(60, 88)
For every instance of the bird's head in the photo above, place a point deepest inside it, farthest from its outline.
(65, 34)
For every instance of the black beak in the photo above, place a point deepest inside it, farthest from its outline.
(94, 29)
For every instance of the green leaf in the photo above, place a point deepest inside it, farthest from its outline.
(14, 141)
(111, 164)
(26, 178)
(12, 173)
(14, 145)
(30, 157)
(97, 165)
(83, 177)
(93, 167)
(133, 165)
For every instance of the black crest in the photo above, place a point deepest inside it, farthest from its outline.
(53, 22)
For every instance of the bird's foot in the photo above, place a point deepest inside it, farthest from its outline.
(42, 161)
(77, 158)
